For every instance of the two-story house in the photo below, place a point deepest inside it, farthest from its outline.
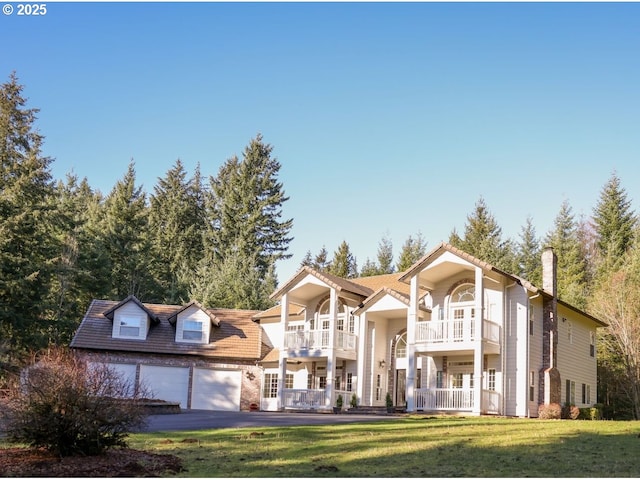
(452, 333)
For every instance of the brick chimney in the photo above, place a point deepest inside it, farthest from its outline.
(550, 376)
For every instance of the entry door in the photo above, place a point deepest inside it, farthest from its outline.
(401, 386)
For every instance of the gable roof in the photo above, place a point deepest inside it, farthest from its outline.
(417, 267)
(236, 337)
(110, 313)
(333, 281)
(174, 318)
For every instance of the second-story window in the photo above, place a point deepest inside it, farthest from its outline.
(401, 346)
(192, 330)
(129, 326)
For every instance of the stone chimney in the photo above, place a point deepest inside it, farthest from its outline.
(550, 385)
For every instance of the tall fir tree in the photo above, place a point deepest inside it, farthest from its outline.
(384, 264)
(27, 246)
(244, 210)
(572, 267)
(483, 238)
(176, 218)
(413, 249)
(127, 241)
(528, 254)
(344, 262)
(614, 223)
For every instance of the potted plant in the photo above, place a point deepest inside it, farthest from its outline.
(389, 402)
(338, 406)
(354, 401)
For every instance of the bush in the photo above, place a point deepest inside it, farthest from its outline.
(354, 401)
(590, 413)
(551, 411)
(68, 408)
(570, 412)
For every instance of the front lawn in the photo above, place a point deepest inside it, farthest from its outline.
(412, 446)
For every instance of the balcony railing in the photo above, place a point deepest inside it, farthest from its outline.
(312, 339)
(444, 399)
(455, 331)
(304, 398)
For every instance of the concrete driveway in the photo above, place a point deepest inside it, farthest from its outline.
(205, 419)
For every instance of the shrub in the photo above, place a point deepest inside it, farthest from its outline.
(570, 412)
(551, 411)
(339, 401)
(68, 408)
(354, 401)
(590, 413)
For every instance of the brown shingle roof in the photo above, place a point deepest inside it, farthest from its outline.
(237, 336)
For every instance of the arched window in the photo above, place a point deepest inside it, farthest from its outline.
(464, 293)
(462, 311)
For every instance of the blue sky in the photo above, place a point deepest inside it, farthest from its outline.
(387, 118)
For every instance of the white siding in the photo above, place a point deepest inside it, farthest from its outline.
(574, 360)
(535, 353)
(131, 311)
(515, 351)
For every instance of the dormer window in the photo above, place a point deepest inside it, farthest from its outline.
(192, 330)
(129, 326)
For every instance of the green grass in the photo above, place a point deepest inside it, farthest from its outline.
(412, 446)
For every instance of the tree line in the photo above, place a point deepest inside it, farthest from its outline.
(217, 240)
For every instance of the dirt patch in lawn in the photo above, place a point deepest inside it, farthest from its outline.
(118, 462)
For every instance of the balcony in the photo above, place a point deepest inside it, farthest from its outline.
(458, 334)
(319, 339)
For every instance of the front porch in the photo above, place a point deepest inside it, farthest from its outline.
(455, 400)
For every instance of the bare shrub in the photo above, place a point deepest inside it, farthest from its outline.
(62, 404)
(551, 411)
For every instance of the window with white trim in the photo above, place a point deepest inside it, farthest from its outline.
(570, 332)
(288, 380)
(592, 343)
(129, 326)
(532, 385)
(491, 379)
(349, 382)
(531, 319)
(192, 330)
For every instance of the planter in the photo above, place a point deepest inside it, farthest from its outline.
(336, 409)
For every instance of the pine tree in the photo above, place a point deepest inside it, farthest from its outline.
(614, 223)
(369, 268)
(27, 246)
(384, 264)
(528, 254)
(412, 250)
(176, 219)
(127, 240)
(244, 210)
(483, 238)
(571, 261)
(343, 263)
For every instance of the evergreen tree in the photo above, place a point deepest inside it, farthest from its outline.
(127, 240)
(384, 265)
(529, 254)
(321, 262)
(369, 268)
(483, 239)
(27, 246)
(412, 250)
(343, 263)
(81, 266)
(244, 210)
(614, 223)
(176, 219)
(571, 260)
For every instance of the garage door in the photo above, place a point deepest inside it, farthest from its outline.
(166, 383)
(126, 372)
(216, 389)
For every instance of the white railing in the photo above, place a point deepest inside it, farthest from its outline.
(304, 398)
(455, 331)
(309, 339)
(490, 401)
(444, 399)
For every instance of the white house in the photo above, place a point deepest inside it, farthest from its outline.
(451, 334)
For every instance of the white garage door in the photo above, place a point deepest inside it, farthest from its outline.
(166, 383)
(126, 372)
(216, 389)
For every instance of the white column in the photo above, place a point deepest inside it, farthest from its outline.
(331, 356)
(412, 318)
(478, 357)
(361, 356)
(282, 360)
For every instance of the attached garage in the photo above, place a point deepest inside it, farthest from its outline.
(216, 389)
(166, 383)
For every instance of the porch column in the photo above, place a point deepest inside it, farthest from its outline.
(412, 318)
(282, 360)
(478, 354)
(331, 356)
(361, 357)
